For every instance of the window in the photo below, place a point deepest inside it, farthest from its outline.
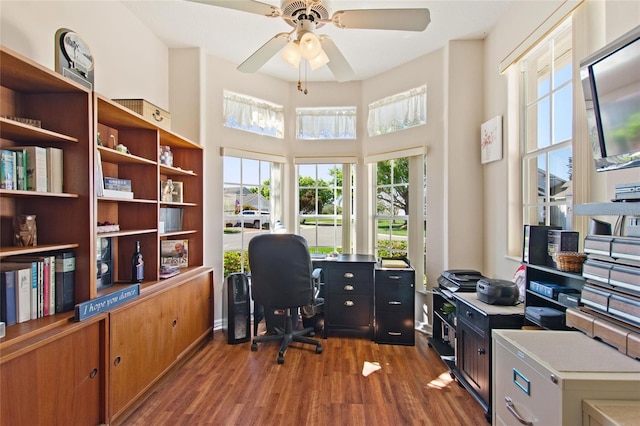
(325, 209)
(392, 208)
(398, 112)
(254, 115)
(247, 208)
(326, 123)
(547, 113)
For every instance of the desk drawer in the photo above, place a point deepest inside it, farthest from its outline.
(477, 320)
(350, 280)
(349, 310)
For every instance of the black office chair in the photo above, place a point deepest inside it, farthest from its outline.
(282, 276)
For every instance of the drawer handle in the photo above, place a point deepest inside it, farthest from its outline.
(394, 277)
(481, 351)
(349, 303)
(117, 360)
(512, 410)
(469, 314)
(394, 333)
(348, 287)
(348, 275)
(521, 382)
(93, 373)
(395, 302)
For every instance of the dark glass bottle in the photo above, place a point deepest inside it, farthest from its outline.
(137, 265)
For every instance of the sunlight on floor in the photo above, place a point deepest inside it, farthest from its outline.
(441, 382)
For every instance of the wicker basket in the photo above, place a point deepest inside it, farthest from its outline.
(570, 261)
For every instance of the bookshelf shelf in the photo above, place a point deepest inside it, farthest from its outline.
(11, 129)
(16, 193)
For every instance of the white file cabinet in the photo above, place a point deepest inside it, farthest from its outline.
(542, 376)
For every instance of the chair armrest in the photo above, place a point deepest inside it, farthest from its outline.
(316, 273)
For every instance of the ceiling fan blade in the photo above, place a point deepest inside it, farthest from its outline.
(260, 57)
(383, 19)
(338, 65)
(245, 5)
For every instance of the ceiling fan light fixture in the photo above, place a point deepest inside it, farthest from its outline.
(291, 54)
(318, 61)
(310, 45)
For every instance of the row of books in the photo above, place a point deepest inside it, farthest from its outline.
(31, 168)
(33, 287)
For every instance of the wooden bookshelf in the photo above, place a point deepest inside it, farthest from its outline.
(79, 378)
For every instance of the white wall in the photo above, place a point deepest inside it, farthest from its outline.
(130, 61)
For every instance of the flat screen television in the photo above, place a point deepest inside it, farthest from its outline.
(611, 84)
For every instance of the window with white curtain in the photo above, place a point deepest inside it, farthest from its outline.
(326, 123)
(398, 112)
(547, 112)
(254, 115)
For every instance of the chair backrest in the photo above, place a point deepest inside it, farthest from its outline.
(281, 270)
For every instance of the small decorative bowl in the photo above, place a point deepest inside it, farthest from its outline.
(570, 261)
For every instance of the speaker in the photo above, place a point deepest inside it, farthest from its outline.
(535, 248)
(236, 309)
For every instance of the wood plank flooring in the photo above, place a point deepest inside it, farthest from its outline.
(230, 385)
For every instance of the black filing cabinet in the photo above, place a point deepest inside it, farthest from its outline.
(349, 293)
(475, 320)
(394, 306)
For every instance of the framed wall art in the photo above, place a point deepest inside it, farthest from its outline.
(491, 140)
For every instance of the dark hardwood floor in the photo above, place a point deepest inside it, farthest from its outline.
(230, 385)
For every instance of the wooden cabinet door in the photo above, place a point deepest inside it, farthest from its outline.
(473, 360)
(59, 383)
(194, 313)
(141, 347)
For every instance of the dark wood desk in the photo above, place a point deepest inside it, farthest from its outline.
(348, 292)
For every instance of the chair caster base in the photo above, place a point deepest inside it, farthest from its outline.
(280, 359)
(254, 347)
(318, 349)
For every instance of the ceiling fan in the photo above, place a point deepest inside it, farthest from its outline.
(305, 16)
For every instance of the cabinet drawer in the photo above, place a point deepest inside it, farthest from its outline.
(341, 274)
(474, 318)
(345, 286)
(395, 329)
(394, 296)
(394, 276)
(524, 388)
(349, 310)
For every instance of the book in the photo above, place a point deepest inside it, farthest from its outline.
(65, 281)
(98, 176)
(23, 293)
(36, 168)
(21, 169)
(110, 193)
(117, 184)
(7, 169)
(8, 293)
(54, 169)
(174, 253)
(52, 285)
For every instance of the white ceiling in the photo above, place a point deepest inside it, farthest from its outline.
(234, 35)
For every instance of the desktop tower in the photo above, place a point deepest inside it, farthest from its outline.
(236, 309)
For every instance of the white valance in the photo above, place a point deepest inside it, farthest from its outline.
(326, 123)
(398, 112)
(253, 115)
